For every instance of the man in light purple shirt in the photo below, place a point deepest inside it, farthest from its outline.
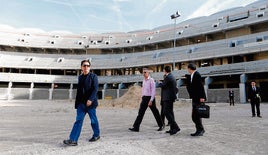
(148, 99)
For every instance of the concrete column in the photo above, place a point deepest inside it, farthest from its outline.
(105, 86)
(9, 95)
(242, 88)
(103, 94)
(71, 92)
(208, 81)
(31, 91)
(51, 92)
(117, 93)
(120, 86)
(10, 84)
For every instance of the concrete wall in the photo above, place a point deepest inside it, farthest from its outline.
(40, 94)
(237, 32)
(3, 93)
(183, 93)
(222, 95)
(20, 93)
(110, 94)
(122, 92)
(214, 95)
(261, 56)
(60, 94)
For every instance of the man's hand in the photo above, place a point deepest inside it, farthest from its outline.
(150, 103)
(89, 103)
(202, 100)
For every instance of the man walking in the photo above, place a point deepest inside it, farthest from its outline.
(148, 99)
(197, 94)
(254, 99)
(86, 102)
(168, 96)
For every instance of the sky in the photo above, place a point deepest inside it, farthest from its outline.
(101, 16)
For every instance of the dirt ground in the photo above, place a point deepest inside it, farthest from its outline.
(39, 127)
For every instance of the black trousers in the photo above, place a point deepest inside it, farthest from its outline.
(196, 119)
(163, 113)
(231, 98)
(168, 111)
(255, 103)
(143, 107)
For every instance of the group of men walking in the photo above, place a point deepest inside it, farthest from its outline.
(86, 101)
(168, 96)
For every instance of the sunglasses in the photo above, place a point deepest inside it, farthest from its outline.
(86, 65)
(145, 72)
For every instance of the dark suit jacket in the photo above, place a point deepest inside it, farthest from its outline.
(87, 90)
(252, 95)
(169, 88)
(231, 93)
(195, 88)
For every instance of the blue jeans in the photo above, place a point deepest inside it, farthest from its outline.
(81, 112)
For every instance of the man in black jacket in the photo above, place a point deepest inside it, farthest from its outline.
(197, 94)
(168, 96)
(86, 102)
(254, 99)
(231, 97)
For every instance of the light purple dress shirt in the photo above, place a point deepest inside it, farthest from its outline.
(148, 88)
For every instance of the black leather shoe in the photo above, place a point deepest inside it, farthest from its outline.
(168, 131)
(70, 142)
(193, 134)
(134, 129)
(259, 116)
(253, 115)
(198, 133)
(161, 128)
(93, 139)
(173, 132)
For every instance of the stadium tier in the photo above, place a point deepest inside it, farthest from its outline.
(229, 48)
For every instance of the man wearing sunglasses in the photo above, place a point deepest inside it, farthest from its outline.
(86, 102)
(148, 99)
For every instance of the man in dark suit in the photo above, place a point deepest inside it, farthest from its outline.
(162, 111)
(254, 99)
(86, 102)
(168, 96)
(196, 92)
(231, 97)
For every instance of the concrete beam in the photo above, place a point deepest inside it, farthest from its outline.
(242, 88)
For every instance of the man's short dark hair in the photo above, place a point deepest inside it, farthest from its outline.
(86, 60)
(167, 69)
(192, 66)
